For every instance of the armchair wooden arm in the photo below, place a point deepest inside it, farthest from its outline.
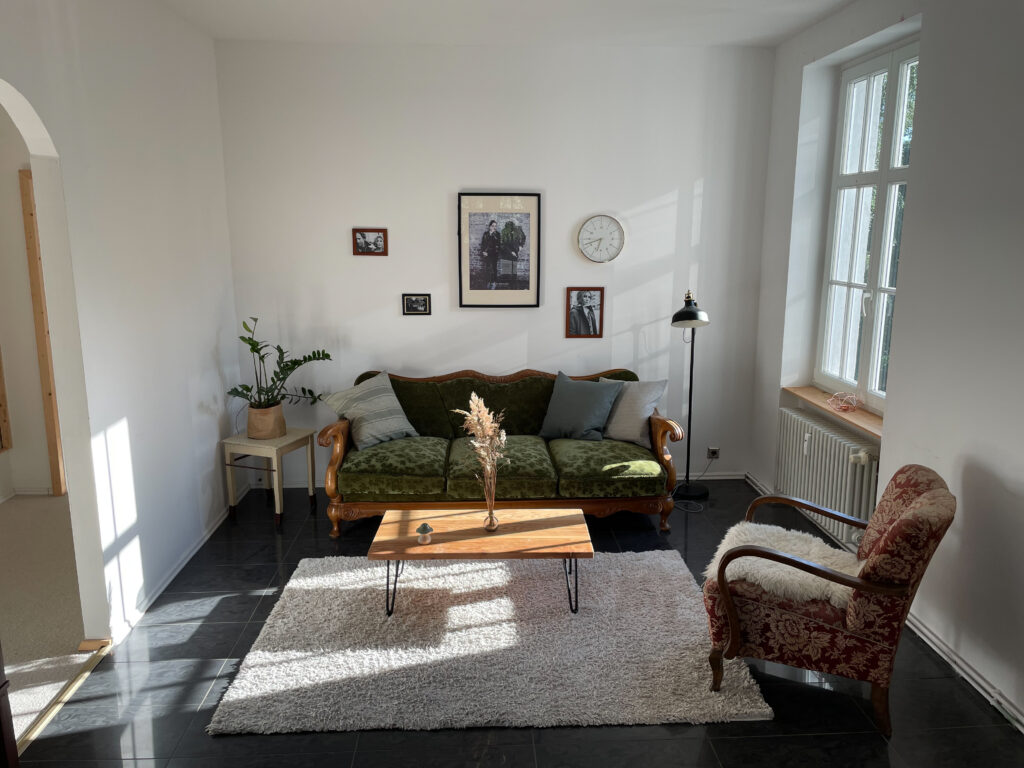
(663, 430)
(336, 437)
(793, 501)
(808, 566)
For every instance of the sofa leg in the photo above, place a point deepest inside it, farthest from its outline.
(666, 509)
(717, 669)
(334, 513)
(880, 701)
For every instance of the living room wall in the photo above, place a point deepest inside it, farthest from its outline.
(319, 139)
(127, 91)
(955, 367)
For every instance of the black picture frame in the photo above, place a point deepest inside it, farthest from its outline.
(415, 303)
(581, 319)
(499, 249)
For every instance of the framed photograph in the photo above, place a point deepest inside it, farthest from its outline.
(584, 313)
(415, 303)
(499, 249)
(370, 242)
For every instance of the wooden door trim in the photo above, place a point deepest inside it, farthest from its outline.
(44, 351)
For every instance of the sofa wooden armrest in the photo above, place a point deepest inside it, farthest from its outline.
(663, 430)
(338, 438)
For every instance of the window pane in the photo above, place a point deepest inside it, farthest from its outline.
(875, 116)
(853, 132)
(865, 225)
(854, 319)
(883, 336)
(905, 119)
(893, 234)
(846, 211)
(835, 324)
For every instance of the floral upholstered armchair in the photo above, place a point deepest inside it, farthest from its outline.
(844, 618)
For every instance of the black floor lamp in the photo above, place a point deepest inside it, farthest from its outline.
(690, 316)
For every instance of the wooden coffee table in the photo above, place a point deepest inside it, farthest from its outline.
(523, 534)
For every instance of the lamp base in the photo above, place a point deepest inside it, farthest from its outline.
(688, 491)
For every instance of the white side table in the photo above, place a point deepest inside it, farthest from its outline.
(273, 449)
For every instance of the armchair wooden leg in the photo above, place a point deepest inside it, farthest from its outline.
(880, 701)
(717, 670)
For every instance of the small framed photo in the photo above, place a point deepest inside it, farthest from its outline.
(415, 303)
(499, 249)
(369, 242)
(584, 313)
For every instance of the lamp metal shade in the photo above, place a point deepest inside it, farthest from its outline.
(690, 316)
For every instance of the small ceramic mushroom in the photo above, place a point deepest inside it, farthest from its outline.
(424, 531)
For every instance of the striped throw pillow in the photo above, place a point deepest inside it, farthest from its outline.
(374, 411)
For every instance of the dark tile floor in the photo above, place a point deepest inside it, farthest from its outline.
(147, 704)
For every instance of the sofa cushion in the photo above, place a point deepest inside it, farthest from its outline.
(589, 469)
(374, 411)
(524, 402)
(412, 466)
(528, 475)
(631, 412)
(579, 409)
(424, 407)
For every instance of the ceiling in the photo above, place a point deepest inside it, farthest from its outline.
(513, 22)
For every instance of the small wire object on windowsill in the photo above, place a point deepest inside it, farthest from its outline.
(844, 401)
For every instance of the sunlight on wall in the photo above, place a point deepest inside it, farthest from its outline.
(115, 499)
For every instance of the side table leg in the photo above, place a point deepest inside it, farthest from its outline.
(278, 489)
(391, 590)
(229, 476)
(310, 472)
(571, 566)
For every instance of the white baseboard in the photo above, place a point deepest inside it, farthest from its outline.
(10, 496)
(983, 685)
(758, 485)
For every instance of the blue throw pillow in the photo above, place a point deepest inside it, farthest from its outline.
(579, 409)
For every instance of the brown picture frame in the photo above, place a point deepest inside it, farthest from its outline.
(579, 324)
(364, 241)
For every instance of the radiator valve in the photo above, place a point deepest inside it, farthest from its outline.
(863, 457)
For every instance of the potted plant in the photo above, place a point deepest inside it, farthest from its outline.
(266, 396)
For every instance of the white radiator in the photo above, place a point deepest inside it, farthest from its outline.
(829, 466)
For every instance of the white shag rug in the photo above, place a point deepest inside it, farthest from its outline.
(484, 643)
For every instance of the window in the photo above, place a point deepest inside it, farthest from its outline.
(869, 188)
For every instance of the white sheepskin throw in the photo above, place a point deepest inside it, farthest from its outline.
(784, 580)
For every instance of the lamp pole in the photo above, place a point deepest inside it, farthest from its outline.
(692, 317)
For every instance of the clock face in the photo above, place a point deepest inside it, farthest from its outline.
(601, 238)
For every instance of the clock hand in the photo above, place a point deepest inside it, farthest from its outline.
(590, 242)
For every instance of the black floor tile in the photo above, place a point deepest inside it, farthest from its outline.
(942, 702)
(162, 642)
(196, 742)
(844, 750)
(505, 755)
(1000, 746)
(649, 753)
(178, 684)
(89, 731)
(192, 607)
(246, 639)
(320, 760)
(222, 578)
(445, 739)
(160, 762)
(237, 553)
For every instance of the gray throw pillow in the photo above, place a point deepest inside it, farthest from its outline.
(579, 409)
(632, 409)
(374, 411)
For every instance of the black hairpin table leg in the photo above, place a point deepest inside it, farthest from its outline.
(392, 589)
(571, 566)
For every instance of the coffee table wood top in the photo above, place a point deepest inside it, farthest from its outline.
(459, 535)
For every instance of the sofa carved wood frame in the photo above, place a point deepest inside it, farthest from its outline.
(337, 437)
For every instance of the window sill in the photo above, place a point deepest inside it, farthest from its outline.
(864, 420)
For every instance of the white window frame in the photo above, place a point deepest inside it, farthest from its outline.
(883, 179)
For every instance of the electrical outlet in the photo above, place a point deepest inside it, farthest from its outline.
(713, 453)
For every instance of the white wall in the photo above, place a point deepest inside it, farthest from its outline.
(319, 139)
(128, 93)
(952, 384)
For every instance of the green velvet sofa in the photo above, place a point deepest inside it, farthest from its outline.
(439, 467)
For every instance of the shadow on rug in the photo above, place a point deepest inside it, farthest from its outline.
(484, 643)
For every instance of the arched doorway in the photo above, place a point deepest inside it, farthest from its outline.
(64, 462)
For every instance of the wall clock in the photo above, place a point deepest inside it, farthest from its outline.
(601, 238)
